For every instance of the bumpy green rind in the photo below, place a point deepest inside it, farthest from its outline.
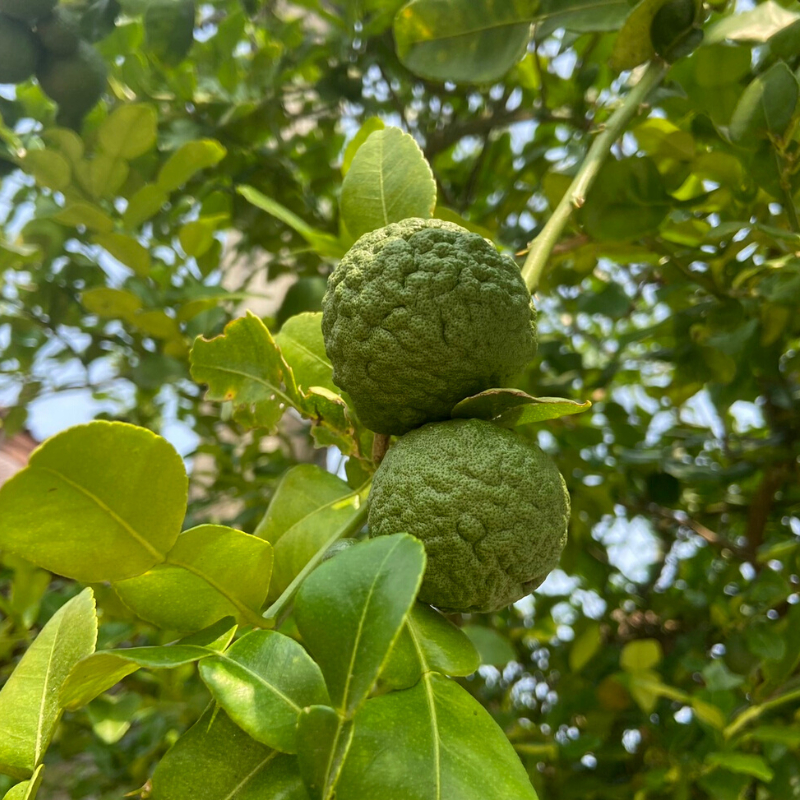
(59, 33)
(19, 52)
(76, 82)
(28, 10)
(421, 314)
(490, 507)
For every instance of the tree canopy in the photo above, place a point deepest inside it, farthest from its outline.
(146, 249)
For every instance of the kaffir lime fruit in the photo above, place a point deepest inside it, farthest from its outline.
(421, 314)
(490, 507)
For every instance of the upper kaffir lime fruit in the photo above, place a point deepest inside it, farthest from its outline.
(19, 52)
(421, 314)
(490, 507)
(28, 10)
(76, 82)
(59, 33)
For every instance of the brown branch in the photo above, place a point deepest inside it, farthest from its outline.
(761, 506)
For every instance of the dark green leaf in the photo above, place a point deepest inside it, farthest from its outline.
(350, 611)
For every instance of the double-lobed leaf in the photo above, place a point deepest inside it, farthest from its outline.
(29, 701)
(430, 742)
(98, 672)
(351, 609)
(388, 181)
(211, 572)
(308, 507)
(217, 760)
(513, 408)
(322, 743)
(428, 643)
(26, 790)
(263, 681)
(102, 501)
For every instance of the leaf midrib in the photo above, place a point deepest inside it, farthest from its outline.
(127, 527)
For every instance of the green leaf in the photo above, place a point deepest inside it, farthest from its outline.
(308, 506)
(127, 251)
(350, 610)
(244, 366)
(129, 131)
(470, 41)
(493, 648)
(742, 763)
(169, 29)
(90, 217)
(627, 201)
(263, 681)
(50, 169)
(98, 502)
(143, 205)
(29, 707)
(66, 142)
(512, 408)
(580, 16)
(758, 25)
(323, 243)
(189, 159)
(643, 654)
(370, 125)
(111, 716)
(210, 573)
(111, 303)
(775, 734)
(322, 742)
(216, 760)
(303, 348)
(766, 106)
(634, 45)
(27, 790)
(430, 742)
(98, 672)
(196, 238)
(388, 181)
(428, 642)
(764, 641)
(585, 647)
(103, 176)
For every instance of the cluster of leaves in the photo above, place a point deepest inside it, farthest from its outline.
(662, 662)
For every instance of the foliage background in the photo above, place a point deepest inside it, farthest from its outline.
(671, 304)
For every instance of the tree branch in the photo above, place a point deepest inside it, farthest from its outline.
(575, 197)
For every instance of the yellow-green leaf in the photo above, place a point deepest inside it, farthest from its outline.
(102, 501)
(129, 131)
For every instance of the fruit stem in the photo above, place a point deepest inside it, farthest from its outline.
(380, 444)
(273, 615)
(542, 246)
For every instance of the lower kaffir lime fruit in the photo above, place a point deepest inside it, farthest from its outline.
(421, 314)
(490, 507)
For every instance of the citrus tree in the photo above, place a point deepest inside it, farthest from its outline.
(537, 269)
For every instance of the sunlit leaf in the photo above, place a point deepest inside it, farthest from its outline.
(29, 705)
(109, 516)
(389, 180)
